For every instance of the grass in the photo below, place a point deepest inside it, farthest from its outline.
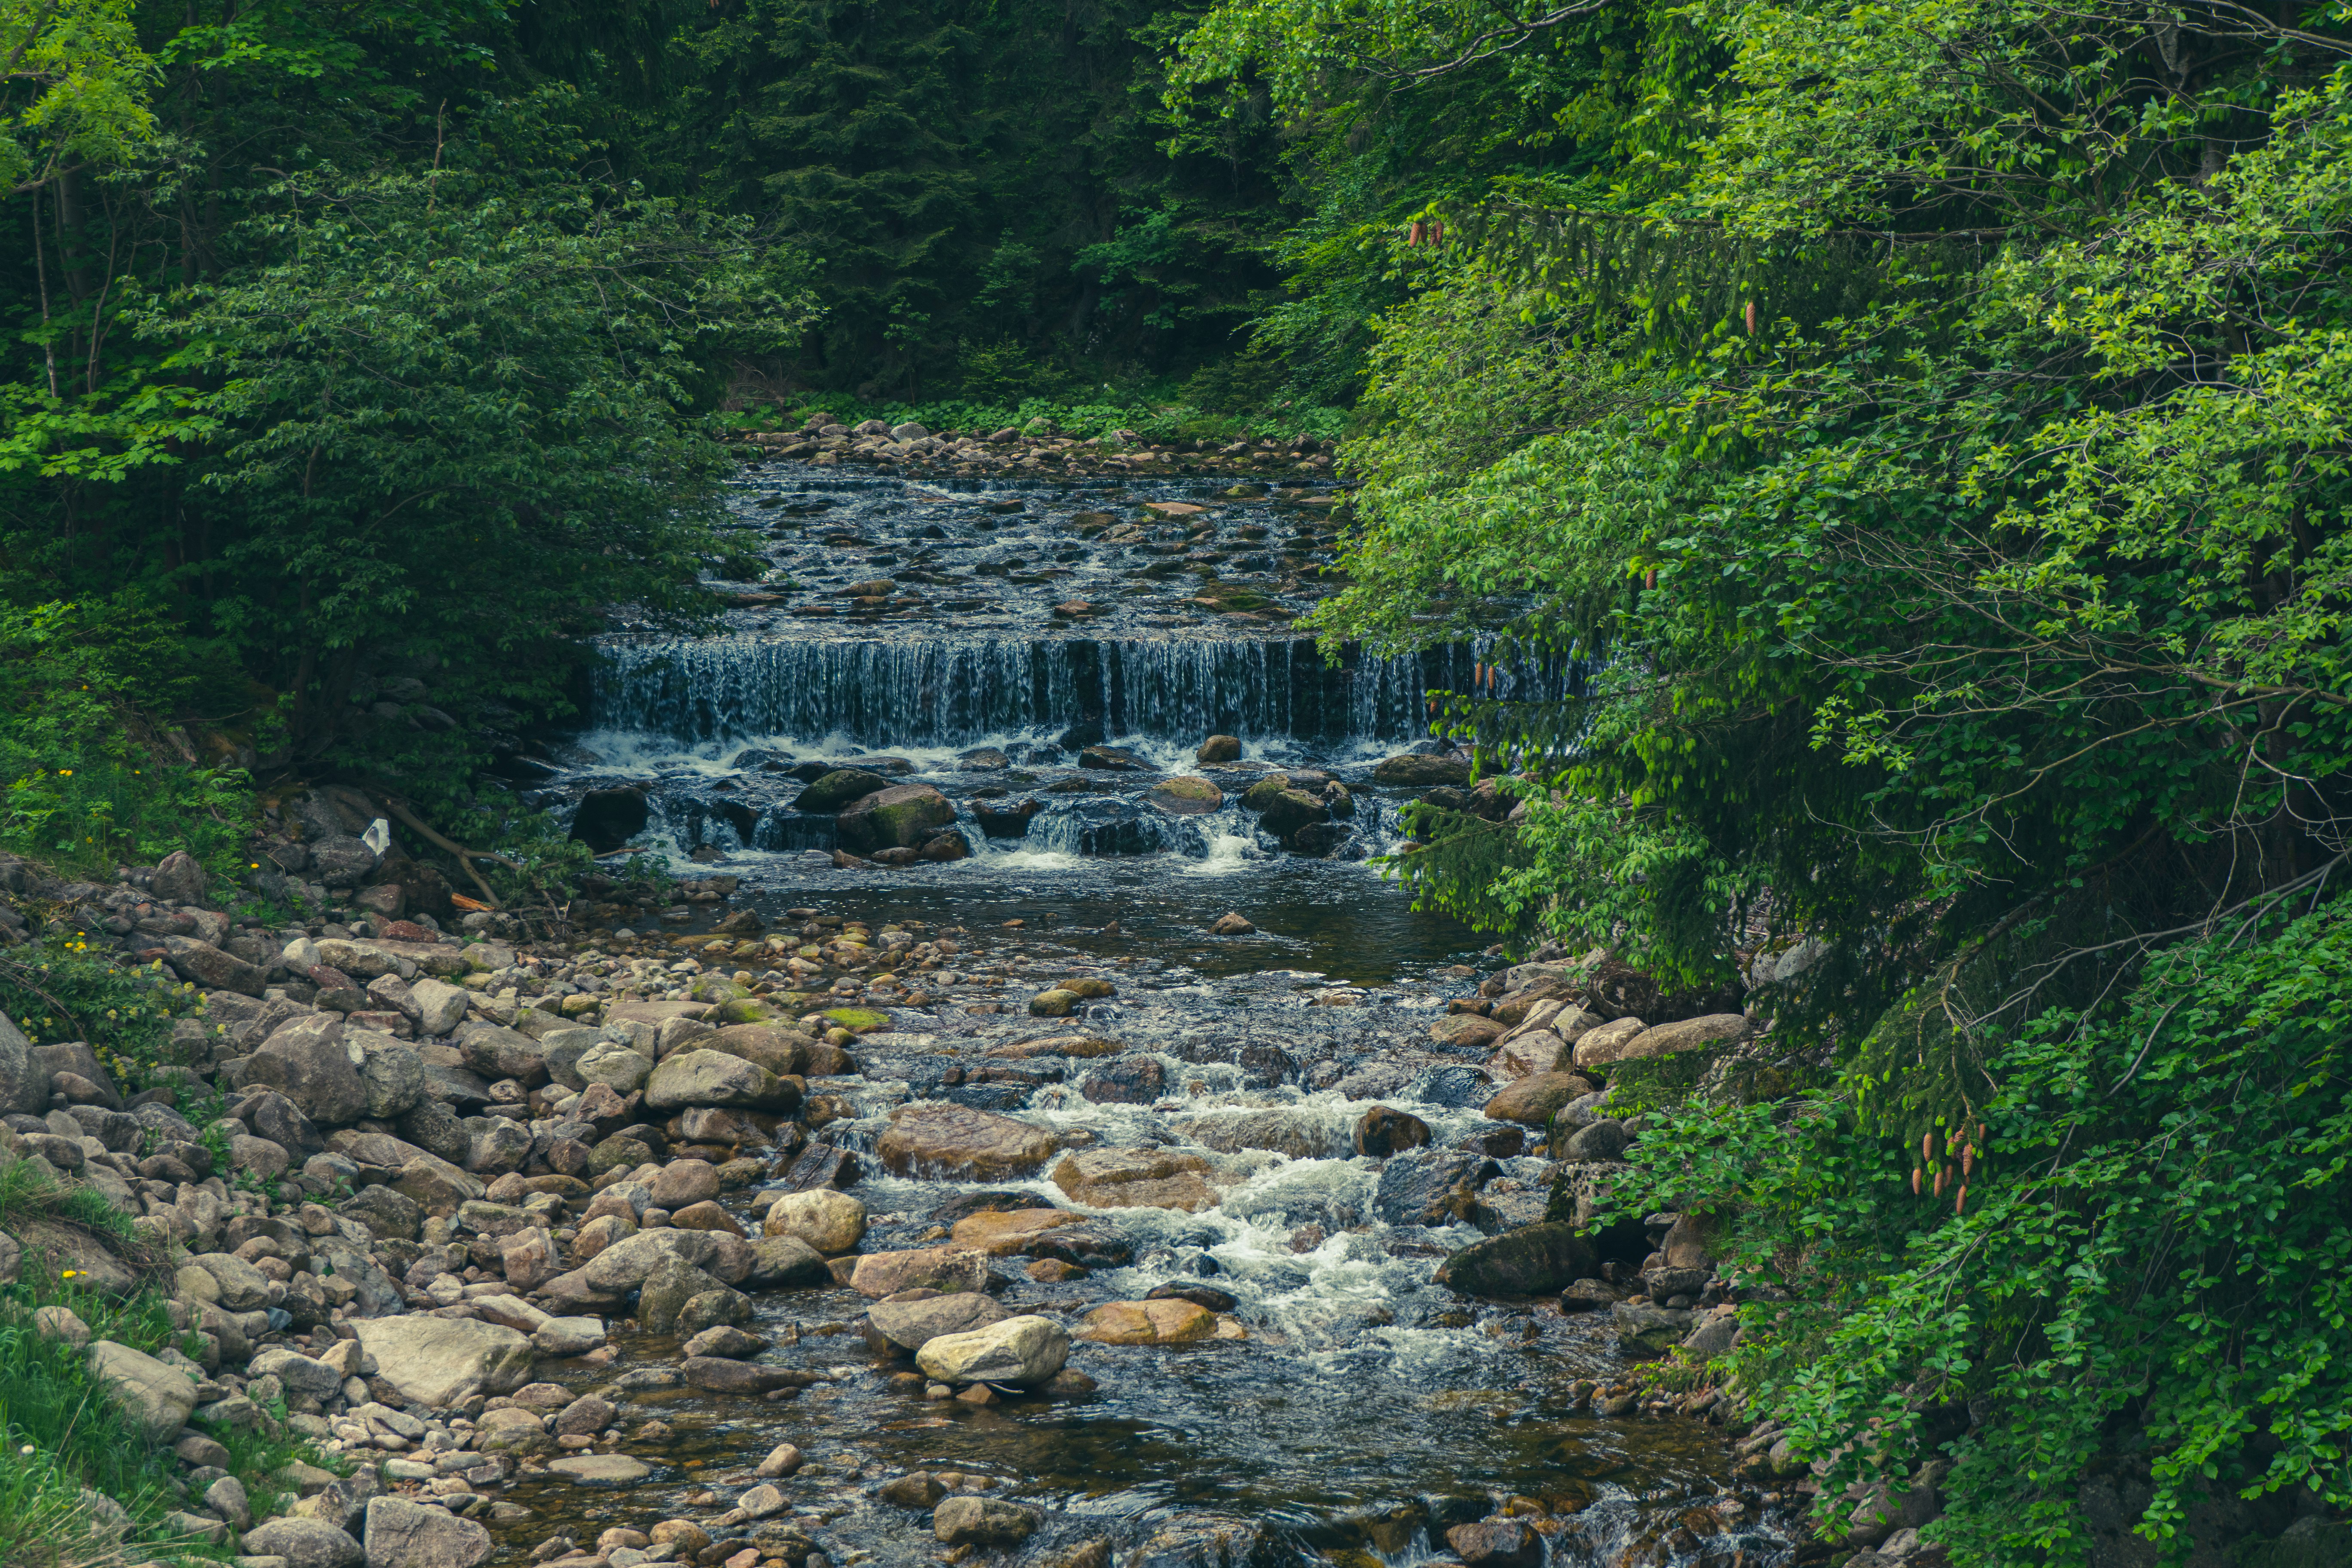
(60, 1431)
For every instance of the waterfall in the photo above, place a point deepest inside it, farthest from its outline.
(962, 690)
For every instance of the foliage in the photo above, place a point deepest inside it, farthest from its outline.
(54, 992)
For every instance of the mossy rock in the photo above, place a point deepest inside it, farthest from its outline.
(856, 1020)
(1264, 793)
(838, 788)
(742, 1010)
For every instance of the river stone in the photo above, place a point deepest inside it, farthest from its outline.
(440, 1360)
(1055, 1002)
(1531, 1051)
(615, 1066)
(1431, 1187)
(714, 1078)
(1534, 1260)
(785, 1262)
(1383, 1131)
(1136, 1178)
(24, 1084)
(956, 1142)
(206, 966)
(561, 1337)
(496, 1051)
(1534, 1099)
(1001, 1235)
(1218, 749)
(663, 1297)
(828, 1220)
(1596, 1142)
(898, 818)
(1412, 772)
(155, 1394)
(1187, 796)
(943, 1268)
(1301, 1134)
(405, 1534)
(304, 1543)
(782, 1051)
(681, 1183)
(1603, 1044)
(1289, 810)
(832, 791)
(1666, 1039)
(911, 1325)
(626, 1263)
(600, 1470)
(1027, 1351)
(1465, 1030)
(1079, 1046)
(1644, 1332)
(983, 1521)
(1496, 1543)
(1171, 1320)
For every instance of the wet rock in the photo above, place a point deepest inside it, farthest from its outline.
(965, 1205)
(1522, 1054)
(1231, 923)
(1496, 1543)
(1136, 1178)
(405, 1534)
(304, 1543)
(725, 1341)
(1200, 1295)
(843, 786)
(1218, 749)
(1645, 1332)
(894, 1326)
(561, 1337)
(899, 817)
(1002, 1234)
(1433, 1188)
(1284, 812)
(823, 1165)
(1534, 1260)
(1465, 1031)
(954, 1142)
(918, 1490)
(1024, 1351)
(1187, 796)
(440, 1360)
(600, 1470)
(942, 1268)
(715, 1375)
(626, 1264)
(829, 1221)
(1533, 1100)
(1382, 1132)
(1411, 772)
(1055, 1003)
(608, 818)
(668, 1287)
(785, 1262)
(1166, 1322)
(683, 1182)
(1300, 1134)
(983, 1521)
(1136, 1081)
(1604, 1140)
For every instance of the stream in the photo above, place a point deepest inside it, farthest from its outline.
(1362, 1410)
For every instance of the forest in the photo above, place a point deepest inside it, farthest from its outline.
(1927, 424)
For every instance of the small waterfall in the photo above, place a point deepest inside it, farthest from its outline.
(962, 690)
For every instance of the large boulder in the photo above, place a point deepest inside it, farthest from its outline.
(308, 1062)
(1286, 811)
(1422, 773)
(956, 1143)
(155, 1394)
(1301, 1134)
(496, 1051)
(1171, 1320)
(391, 1074)
(898, 818)
(944, 1268)
(1137, 1178)
(440, 1360)
(1665, 1040)
(1186, 796)
(615, 1066)
(1534, 1099)
(1534, 1260)
(828, 1220)
(714, 1078)
(1025, 1350)
(178, 878)
(23, 1085)
(624, 1265)
(911, 1325)
(405, 1534)
(831, 792)
(782, 1051)
(305, 1543)
(203, 964)
(439, 1005)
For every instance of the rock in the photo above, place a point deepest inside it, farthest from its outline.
(1435, 1187)
(1382, 1132)
(911, 1325)
(898, 818)
(1023, 1350)
(955, 1142)
(1600, 1140)
(1218, 749)
(1055, 1003)
(782, 1459)
(298, 1374)
(241, 1287)
(1712, 1337)
(831, 792)
(724, 1340)
(1644, 1332)
(785, 1262)
(1187, 796)
(1666, 1039)
(308, 1062)
(206, 966)
(627, 1263)
(1534, 1260)
(24, 1084)
(662, 1298)
(719, 1375)
(917, 1491)
(1603, 1043)
(1300, 1134)
(600, 1470)
(392, 1075)
(716, 1079)
(983, 1521)
(1465, 1031)
(156, 1395)
(585, 1417)
(1136, 1081)
(62, 1323)
(405, 1534)
(567, 1336)
(1004, 1233)
(943, 1268)
(177, 878)
(1496, 1543)
(830, 1221)
(439, 1007)
(1284, 812)
(1136, 1178)
(440, 1360)
(1231, 923)
(1171, 1320)
(226, 1497)
(1411, 771)
(1533, 1100)
(496, 1052)
(684, 1181)
(304, 1542)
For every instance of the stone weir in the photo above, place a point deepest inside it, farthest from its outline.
(944, 690)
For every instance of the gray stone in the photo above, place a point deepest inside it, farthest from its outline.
(178, 878)
(308, 1061)
(617, 1067)
(439, 1005)
(440, 1360)
(24, 1088)
(391, 1074)
(911, 1325)
(205, 965)
(304, 1543)
(405, 1534)
(982, 1521)
(1534, 1261)
(1027, 1351)
(155, 1394)
(714, 1078)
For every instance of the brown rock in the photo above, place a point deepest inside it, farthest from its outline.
(1533, 1100)
(1666, 1039)
(1000, 1235)
(1167, 1322)
(956, 1142)
(1137, 1178)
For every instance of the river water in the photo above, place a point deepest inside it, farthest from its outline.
(1365, 1409)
